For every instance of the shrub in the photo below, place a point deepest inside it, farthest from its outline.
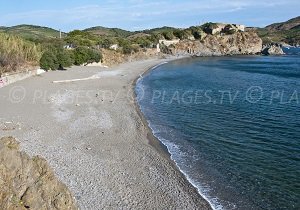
(144, 42)
(94, 56)
(127, 49)
(106, 43)
(86, 55)
(65, 59)
(164, 49)
(54, 59)
(49, 61)
(168, 35)
(80, 55)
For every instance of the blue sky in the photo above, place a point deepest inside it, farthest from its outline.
(144, 14)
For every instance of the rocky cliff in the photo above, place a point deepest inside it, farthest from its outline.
(217, 45)
(29, 183)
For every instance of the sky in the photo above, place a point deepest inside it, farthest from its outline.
(134, 15)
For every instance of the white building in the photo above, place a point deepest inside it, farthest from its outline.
(114, 47)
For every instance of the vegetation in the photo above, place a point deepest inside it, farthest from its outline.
(49, 61)
(110, 32)
(84, 55)
(291, 37)
(16, 52)
(85, 45)
(82, 38)
(287, 32)
(65, 58)
(197, 32)
(54, 59)
(159, 30)
(35, 44)
(32, 33)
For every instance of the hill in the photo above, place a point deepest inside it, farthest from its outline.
(117, 32)
(111, 32)
(288, 25)
(159, 30)
(285, 32)
(31, 32)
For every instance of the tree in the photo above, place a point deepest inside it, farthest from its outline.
(144, 42)
(106, 43)
(127, 49)
(168, 35)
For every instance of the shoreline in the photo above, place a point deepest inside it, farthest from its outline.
(156, 143)
(103, 151)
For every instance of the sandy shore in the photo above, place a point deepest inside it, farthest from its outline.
(95, 139)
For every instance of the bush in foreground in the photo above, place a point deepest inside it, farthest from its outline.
(65, 58)
(49, 61)
(83, 55)
(53, 59)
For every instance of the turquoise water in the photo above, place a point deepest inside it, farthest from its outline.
(232, 125)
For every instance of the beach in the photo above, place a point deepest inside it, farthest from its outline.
(85, 122)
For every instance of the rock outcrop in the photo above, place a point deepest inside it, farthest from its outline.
(29, 183)
(246, 43)
(272, 49)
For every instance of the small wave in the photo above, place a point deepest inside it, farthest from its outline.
(213, 202)
(158, 65)
(173, 149)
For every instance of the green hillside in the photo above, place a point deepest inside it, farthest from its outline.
(31, 32)
(288, 25)
(112, 32)
(287, 32)
(159, 30)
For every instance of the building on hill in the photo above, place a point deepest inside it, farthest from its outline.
(216, 28)
(114, 47)
(240, 27)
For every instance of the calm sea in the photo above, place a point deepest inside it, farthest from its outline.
(232, 125)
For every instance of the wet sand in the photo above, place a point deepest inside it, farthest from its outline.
(95, 138)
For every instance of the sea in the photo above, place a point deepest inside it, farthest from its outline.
(232, 126)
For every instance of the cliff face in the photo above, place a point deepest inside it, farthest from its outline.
(27, 183)
(234, 44)
(111, 57)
